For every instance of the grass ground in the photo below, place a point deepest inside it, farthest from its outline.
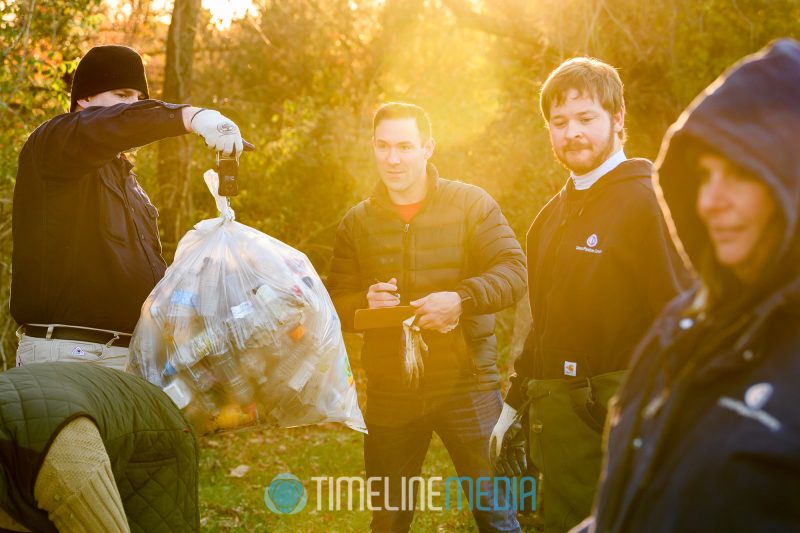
(230, 503)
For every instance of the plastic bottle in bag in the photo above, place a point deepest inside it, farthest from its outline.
(227, 373)
(243, 323)
(265, 319)
(207, 342)
(182, 299)
(201, 378)
(255, 364)
(282, 308)
(240, 408)
(208, 283)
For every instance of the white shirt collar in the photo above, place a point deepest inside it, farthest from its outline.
(585, 181)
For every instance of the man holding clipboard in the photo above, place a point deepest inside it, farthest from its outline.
(421, 266)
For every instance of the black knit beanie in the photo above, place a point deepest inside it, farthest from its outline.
(105, 68)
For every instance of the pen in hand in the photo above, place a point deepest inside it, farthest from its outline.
(392, 281)
(383, 294)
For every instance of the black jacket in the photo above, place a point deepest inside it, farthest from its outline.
(705, 433)
(86, 245)
(600, 268)
(458, 241)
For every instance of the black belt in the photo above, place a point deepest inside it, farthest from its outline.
(78, 334)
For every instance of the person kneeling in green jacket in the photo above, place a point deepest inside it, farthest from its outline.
(89, 448)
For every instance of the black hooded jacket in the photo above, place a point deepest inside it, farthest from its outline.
(705, 433)
(600, 268)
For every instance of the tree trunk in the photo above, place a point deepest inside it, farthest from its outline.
(174, 152)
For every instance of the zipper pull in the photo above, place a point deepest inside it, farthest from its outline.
(405, 228)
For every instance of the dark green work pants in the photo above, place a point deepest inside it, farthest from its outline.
(566, 419)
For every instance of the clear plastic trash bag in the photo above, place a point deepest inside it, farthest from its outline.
(241, 332)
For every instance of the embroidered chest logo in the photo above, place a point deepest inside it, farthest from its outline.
(757, 395)
(755, 398)
(591, 245)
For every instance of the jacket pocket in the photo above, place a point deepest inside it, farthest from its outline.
(452, 346)
(26, 351)
(113, 213)
(147, 476)
(151, 221)
(590, 397)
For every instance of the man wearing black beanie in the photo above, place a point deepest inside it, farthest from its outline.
(86, 245)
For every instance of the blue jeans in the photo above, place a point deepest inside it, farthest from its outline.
(398, 439)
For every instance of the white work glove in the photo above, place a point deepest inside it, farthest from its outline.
(219, 132)
(499, 431)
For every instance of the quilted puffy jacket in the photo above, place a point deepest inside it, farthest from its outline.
(458, 241)
(152, 448)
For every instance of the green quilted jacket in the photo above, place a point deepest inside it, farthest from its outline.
(152, 449)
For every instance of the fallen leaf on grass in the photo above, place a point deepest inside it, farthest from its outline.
(256, 439)
(239, 471)
(229, 523)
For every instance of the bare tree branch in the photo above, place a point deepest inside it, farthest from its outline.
(492, 25)
(25, 41)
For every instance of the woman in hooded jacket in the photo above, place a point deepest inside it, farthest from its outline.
(705, 433)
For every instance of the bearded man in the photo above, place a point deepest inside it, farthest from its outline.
(601, 266)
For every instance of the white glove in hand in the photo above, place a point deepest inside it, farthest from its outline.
(219, 132)
(499, 431)
(414, 347)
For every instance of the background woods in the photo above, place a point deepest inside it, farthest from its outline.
(303, 77)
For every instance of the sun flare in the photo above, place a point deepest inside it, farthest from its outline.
(223, 12)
